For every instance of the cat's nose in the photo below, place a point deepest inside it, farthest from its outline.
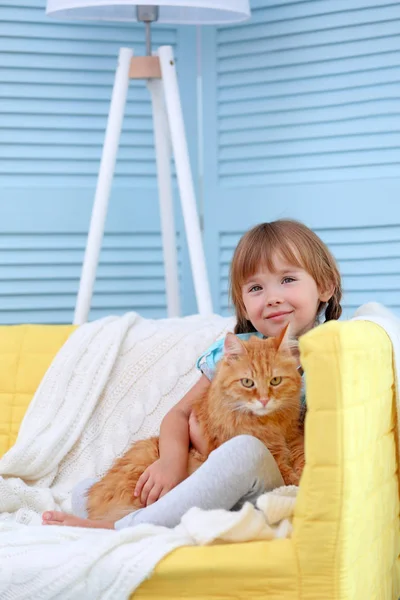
(264, 401)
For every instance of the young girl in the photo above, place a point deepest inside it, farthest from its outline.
(281, 273)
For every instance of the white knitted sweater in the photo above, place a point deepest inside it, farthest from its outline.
(110, 384)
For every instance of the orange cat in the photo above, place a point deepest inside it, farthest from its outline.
(256, 390)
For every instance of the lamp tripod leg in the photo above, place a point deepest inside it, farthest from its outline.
(168, 231)
(185, 181)
(103, 189)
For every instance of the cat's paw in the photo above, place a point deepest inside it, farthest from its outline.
(299, 467)
(292, 478)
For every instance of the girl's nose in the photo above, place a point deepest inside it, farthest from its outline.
(273, 301)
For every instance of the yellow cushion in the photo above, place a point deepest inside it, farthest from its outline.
(26, 351)
(346, 540)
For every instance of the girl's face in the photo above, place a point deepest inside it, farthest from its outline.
(288, 295)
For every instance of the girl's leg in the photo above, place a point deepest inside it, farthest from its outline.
(238, 471)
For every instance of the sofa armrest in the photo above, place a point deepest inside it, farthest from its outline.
(346, 525)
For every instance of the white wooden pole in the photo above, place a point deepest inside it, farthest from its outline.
(103, 189)
(168, 230)
(185, 182)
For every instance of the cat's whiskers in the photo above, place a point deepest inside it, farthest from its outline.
(240, 407)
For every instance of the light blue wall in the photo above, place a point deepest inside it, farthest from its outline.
(55, 87)
(300, 119)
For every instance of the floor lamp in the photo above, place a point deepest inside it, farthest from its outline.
(169, 133)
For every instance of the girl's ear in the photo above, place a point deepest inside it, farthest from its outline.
(233, 347)
(326, 295)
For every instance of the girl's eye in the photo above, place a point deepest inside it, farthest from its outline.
(276, 380)
(288, 280)
(247, 383)
(255, 288)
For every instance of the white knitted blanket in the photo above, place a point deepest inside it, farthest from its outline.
(110, 384)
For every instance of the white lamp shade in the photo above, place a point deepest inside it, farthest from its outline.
(189, 12)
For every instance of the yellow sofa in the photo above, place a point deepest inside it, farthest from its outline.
(345, 544)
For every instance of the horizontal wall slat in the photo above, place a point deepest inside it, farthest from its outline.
(281, 118)
(72, 241)
(309, 70)
(311, 161)
(72, 137)
(74, 257)
(107, 48)
(66, 108)
(51, 92)
(290, 176)
(300, 57)
(100, 300)
(57, 180)
(82, 153)
(337, 144)
(341, 98)
(62, 316)
(55, 287)
(16, 272)
(300, 9)
(382, 124)
(326, 84)
(73, 167)
(338, 236)
(281, 24)
(343, 36)
(81, 122)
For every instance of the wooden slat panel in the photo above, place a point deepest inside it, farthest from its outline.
(309, 92)
(39, 276)
(56, 80)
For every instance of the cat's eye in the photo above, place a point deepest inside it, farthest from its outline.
(247, 383)
(276, 380)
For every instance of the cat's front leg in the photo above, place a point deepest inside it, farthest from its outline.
(290, 476)
(297, 451)
(298, 465)
(283, 459)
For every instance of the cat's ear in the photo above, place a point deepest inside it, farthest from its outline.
(285, 341)
(233, 347)
(282, 340)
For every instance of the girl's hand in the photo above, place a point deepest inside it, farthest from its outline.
(158, 479)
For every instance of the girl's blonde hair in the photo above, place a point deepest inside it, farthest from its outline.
(296, 244)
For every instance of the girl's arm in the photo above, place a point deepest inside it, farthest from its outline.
(171, 468)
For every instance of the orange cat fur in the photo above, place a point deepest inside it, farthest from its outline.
(256, 391)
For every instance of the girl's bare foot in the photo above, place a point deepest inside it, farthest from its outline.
(54, 517)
